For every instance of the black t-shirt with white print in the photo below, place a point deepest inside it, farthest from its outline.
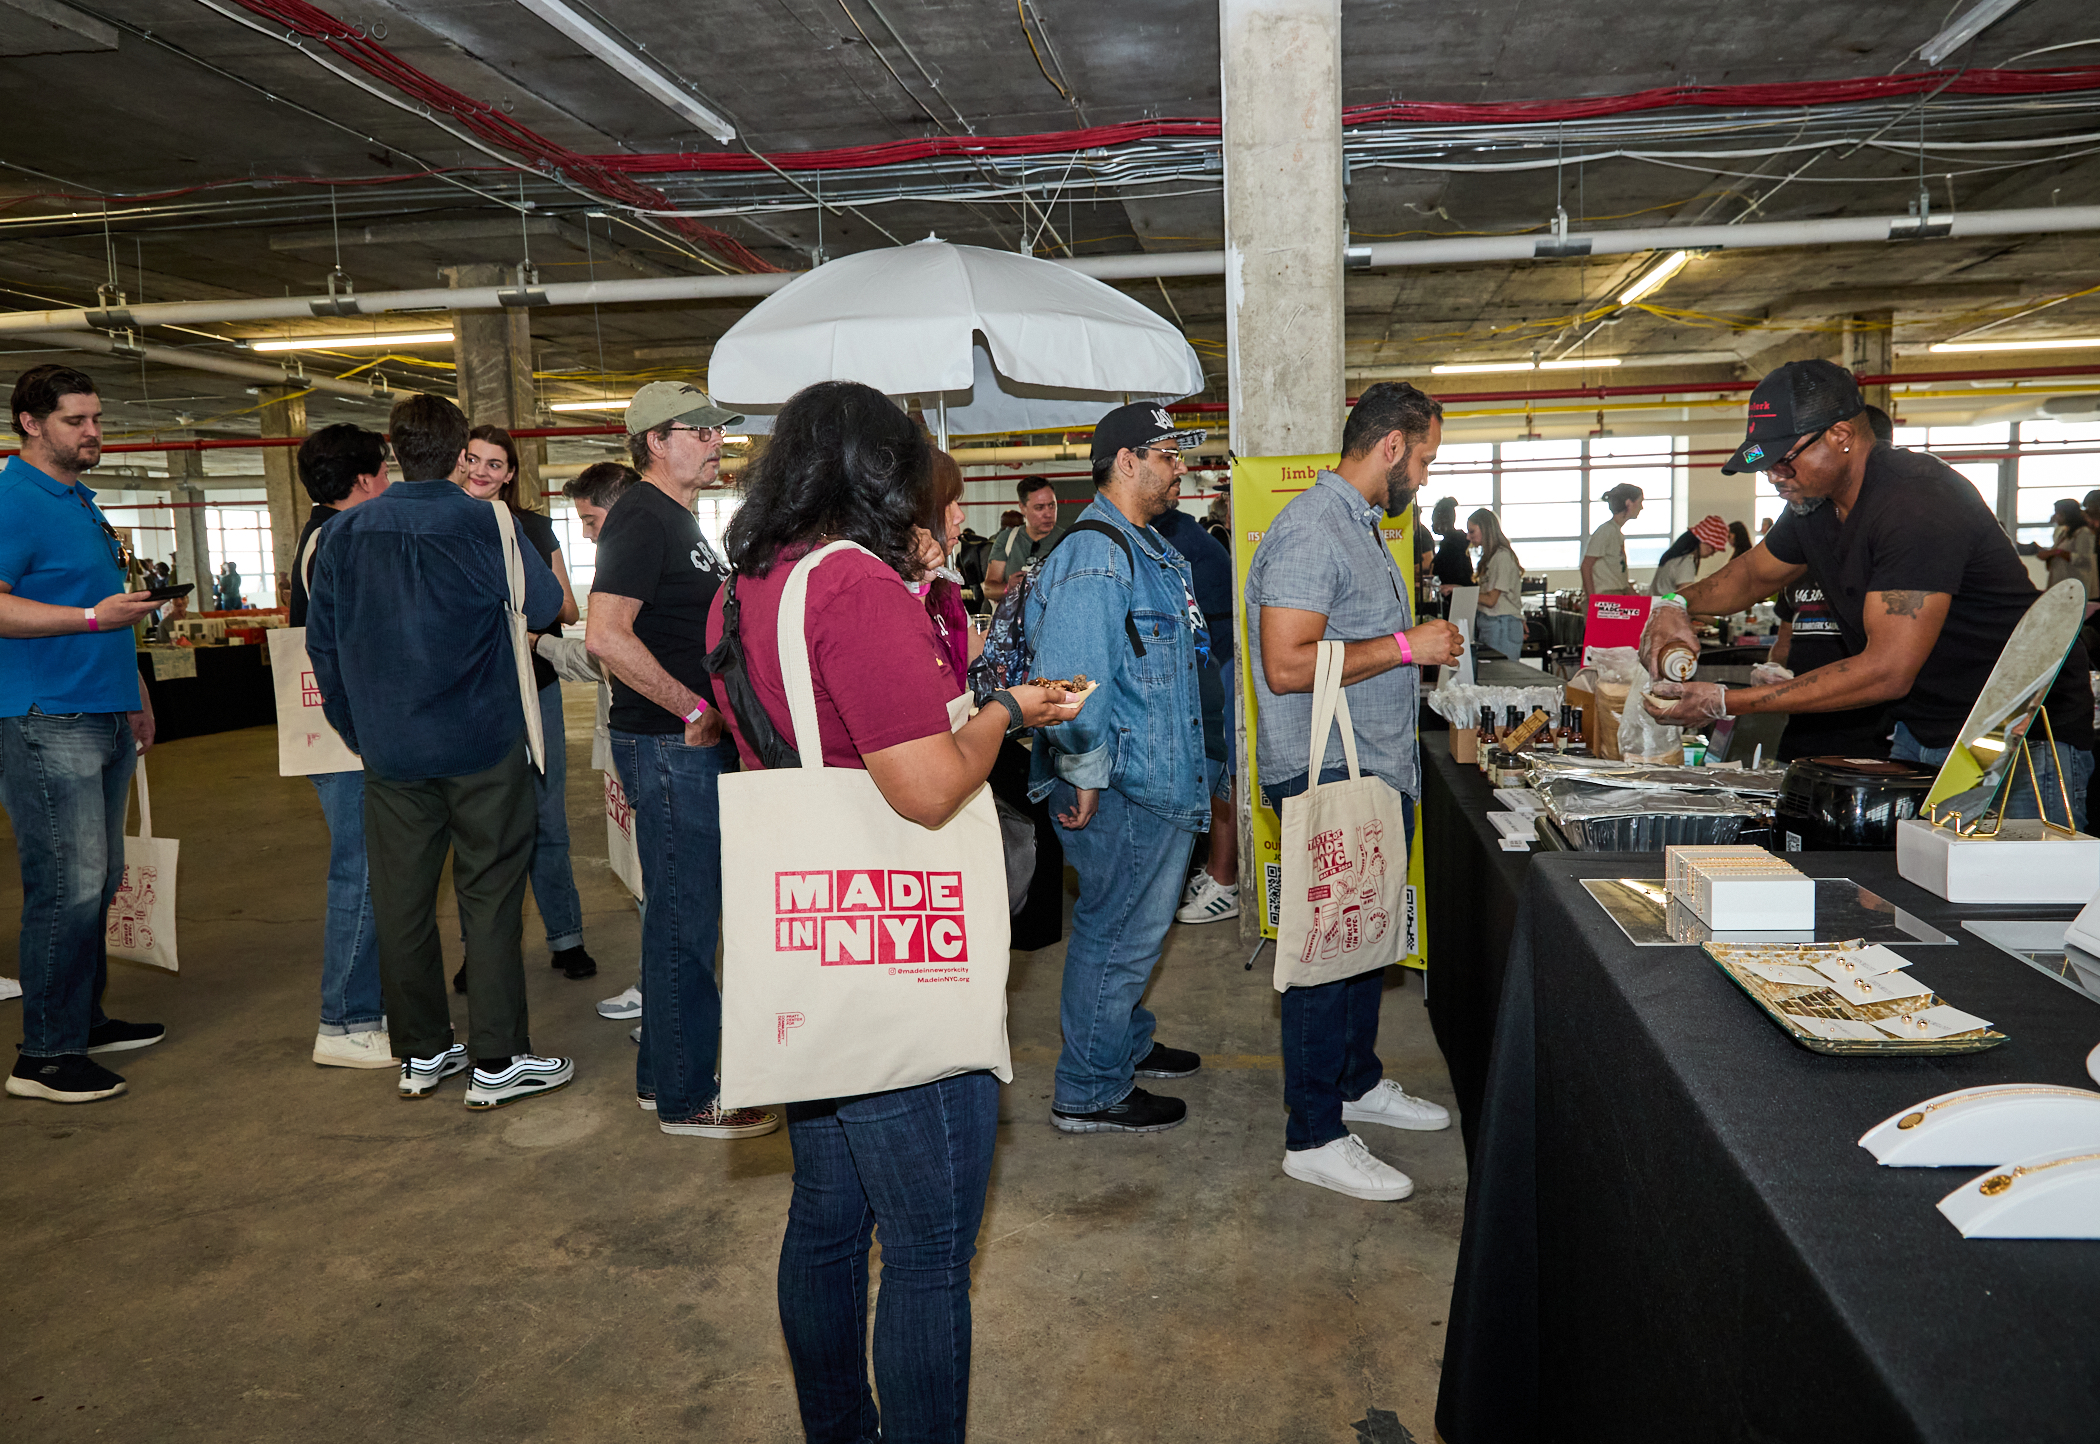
(651, 549)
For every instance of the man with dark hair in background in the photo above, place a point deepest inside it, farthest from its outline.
(1026, 542)
(1324, 573)
(342, 467)
(409, 633)
(657, 575)
(74, 715)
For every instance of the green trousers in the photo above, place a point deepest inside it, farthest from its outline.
(487, 821)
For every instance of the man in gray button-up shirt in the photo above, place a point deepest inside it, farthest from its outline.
(1323, 573)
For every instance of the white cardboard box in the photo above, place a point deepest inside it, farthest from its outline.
(2022, 864)
(1759, 904)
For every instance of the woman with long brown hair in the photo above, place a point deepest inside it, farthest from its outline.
(1500, 621)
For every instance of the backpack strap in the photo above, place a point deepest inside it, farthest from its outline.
(1137, 644)
(727, 661)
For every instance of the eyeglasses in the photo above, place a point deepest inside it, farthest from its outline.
(1171, 453)
(705, 433)
(1788, 459)
(118, 552)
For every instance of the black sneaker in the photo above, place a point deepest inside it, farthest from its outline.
(1141, 1112)
(113, 1035)
(575, 963)
(1165, 1062)
(69, 1078)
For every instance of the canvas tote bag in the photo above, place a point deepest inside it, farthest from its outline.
(141, 920)
(306, 744)
(1344, 857)
(620, 849)
(520, 634)
(861, 951)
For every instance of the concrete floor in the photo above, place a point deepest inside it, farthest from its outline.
(250, 1247)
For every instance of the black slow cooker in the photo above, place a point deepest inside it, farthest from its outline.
(1830, 804)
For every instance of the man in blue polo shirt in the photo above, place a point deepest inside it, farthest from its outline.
(74, 716)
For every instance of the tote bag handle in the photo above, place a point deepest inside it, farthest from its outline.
(1330, 705)
(145, 800)
(794, 654)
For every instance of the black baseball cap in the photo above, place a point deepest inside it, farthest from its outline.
(1800, 399)
(1141, 424)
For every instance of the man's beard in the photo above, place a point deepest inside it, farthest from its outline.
(79, 458)
(1806, 505)
(1399, 491)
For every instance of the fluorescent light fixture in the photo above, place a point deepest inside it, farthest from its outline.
(2054, 343)
(1979, 19)
(643, 76)
(1670, 266)
(619, 405)
(338, 343)
(1484, 368)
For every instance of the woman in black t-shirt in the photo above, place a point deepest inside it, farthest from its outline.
(492, 475)
(1454, 563)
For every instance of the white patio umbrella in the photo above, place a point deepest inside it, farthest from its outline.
(990, 340)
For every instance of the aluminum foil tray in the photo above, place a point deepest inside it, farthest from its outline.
(1651, 831)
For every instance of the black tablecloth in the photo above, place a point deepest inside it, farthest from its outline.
(232, 689)
(1672, 1234)
(1472, 887)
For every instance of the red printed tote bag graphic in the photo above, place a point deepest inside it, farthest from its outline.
(861, 951)
(142, 917)
(1344, 858)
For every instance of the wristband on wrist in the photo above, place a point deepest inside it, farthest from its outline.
(1013, 709)
(93, 625)
(698, 711)
(1407, 653)
(1670, 599)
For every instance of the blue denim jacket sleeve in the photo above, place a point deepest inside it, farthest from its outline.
(1077, 622)
(321, 650)
(542, 591)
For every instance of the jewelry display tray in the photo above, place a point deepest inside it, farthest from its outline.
(1752, 987)
(1650, 918)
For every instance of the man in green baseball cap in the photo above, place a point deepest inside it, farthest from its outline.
(662, 404)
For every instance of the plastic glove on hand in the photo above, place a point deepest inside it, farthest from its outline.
(1686, 704)
(1765, 674)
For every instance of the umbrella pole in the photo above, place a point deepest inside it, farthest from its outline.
(944, 421)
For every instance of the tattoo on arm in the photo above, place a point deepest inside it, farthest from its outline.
(1903, 604)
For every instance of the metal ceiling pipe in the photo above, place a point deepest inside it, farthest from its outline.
(1969, 225)
(101, 345)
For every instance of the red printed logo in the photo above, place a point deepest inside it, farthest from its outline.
(855, 916)
(783, 1023)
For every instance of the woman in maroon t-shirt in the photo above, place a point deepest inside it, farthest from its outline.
(846, 464)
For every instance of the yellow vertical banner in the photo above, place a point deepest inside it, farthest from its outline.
(1261, 486)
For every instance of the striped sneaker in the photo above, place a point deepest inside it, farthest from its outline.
(421, 1076)
(526, 1076)
(1209, 901)
(718, 1122)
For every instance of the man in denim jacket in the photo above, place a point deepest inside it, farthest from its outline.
(1127, 773)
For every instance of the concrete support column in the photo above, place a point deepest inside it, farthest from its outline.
(192, 539)
(494, 355)
(1281, 93)
(1870, 350)
(284, 414)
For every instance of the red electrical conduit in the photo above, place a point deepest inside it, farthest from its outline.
(489, 123)
(2068, 79)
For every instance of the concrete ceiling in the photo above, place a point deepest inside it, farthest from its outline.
(227, 127)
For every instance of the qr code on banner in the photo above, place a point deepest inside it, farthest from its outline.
(1272, 889)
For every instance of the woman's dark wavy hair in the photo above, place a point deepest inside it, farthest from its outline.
(844, 461)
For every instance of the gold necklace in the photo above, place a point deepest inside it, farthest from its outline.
(1997, 1183)
(1912, 1120)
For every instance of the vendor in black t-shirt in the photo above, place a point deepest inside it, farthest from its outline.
(1809, 638)
(657, 576)
(491, 474)
(1924, 585)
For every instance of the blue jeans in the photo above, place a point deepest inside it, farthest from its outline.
(350, 995)
(915, 1161)
(1131, 863)
(2076, 768)
(66, 781)
(553, 882)
(1330, 1030)
(1504, 634)
(678, 832)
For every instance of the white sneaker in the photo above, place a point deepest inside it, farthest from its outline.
(528, 1076)
(1346, 1166)
(1194, 885)
(10, 988)
(421, 1076)
(1209, 901)
(626, 1005)
(354, 1050)
(1388, 1105)
(636, 1033)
